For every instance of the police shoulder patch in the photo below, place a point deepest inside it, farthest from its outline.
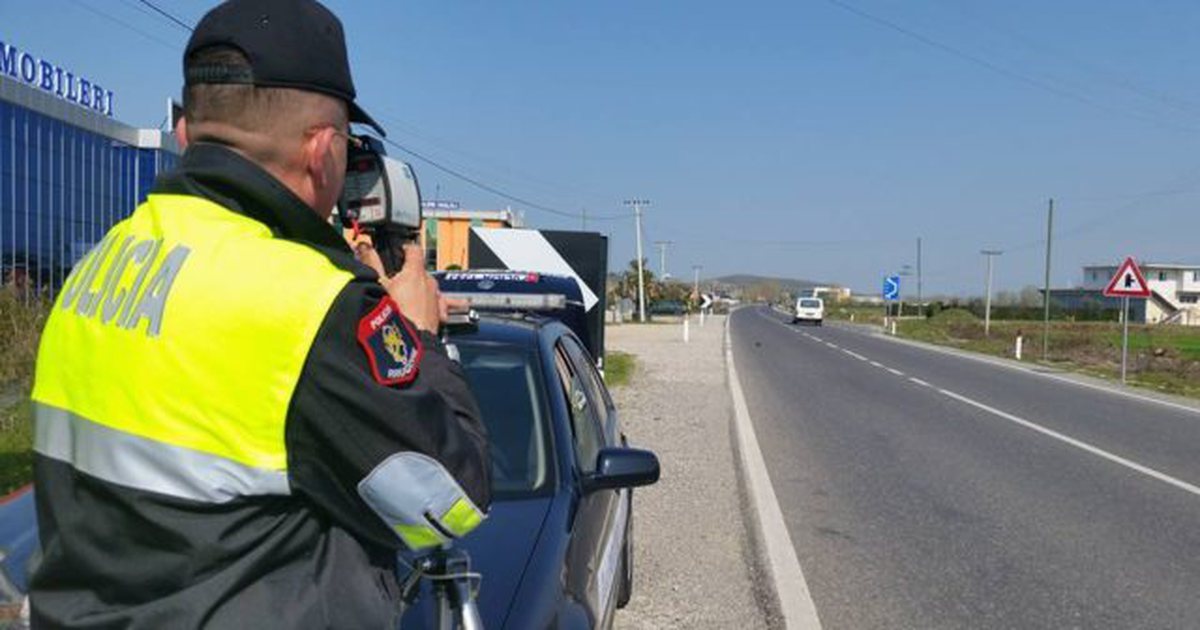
(392, 346)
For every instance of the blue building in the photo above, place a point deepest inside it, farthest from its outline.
(68, 170)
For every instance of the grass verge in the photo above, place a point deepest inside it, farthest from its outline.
(21, 319)
(1163, 358)
(618, 368)
(16, 447)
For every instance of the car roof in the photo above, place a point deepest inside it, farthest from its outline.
(520, 329)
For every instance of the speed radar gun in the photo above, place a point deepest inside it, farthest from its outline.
(382, 199)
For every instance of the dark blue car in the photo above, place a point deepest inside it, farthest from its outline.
(556, 550)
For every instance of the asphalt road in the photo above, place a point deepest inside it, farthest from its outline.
(924, 490)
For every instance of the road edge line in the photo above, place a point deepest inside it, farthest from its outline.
(1065, 376)
(791, 590)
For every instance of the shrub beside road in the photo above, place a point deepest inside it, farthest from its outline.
(21, 321)
(618, 368)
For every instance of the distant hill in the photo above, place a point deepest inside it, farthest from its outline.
(791, 285)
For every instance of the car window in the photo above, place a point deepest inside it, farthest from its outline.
(810, 304)
(602, 404)
(584, 433)
(507, 385)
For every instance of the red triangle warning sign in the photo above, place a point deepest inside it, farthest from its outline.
(1128, 282)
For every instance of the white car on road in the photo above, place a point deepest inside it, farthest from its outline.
(809, 309)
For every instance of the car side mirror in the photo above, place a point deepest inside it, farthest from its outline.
(622, 468)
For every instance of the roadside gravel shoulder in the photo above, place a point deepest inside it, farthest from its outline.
(693, 557)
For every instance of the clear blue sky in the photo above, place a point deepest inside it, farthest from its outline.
(788, 138)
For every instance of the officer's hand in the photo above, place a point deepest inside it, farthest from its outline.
(415, 291)
(364, 251)
(448, 305)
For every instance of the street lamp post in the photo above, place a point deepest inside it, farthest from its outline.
(637, 213)
(987, 300)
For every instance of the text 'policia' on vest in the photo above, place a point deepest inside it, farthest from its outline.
(123, 299)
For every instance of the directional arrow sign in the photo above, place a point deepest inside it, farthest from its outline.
(1128, 282)
(891, 288)
(705, 300)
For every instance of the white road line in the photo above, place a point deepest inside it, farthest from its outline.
(1084, 446)
(895, 371)
(877, 364)
(818, 339)
(795, 601)
(919, 381)
(832, 345)
(970, 356)
(855, 355)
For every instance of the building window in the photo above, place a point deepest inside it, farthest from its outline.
(1187, 299)
(1162, 275)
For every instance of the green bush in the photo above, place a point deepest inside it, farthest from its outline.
(21, 320)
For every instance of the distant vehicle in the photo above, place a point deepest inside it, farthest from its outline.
(666, 307)
(809, 309)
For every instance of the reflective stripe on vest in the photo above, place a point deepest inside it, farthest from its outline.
(178, 340)
(136, 462)
(419, 499)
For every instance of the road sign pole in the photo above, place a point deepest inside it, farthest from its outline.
(1124, 337)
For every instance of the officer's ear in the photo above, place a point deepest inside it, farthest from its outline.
(320, 161)
(181, 133)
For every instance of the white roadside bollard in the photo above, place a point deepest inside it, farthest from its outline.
(893, 328)
(685, 329)
(701, 317)
(1017, 349)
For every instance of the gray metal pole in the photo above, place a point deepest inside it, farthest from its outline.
(987, 300)
(637, 213)
(662, 257)
(1046, 288)
(919, 301)
(696, 279)
(1124, 336)
(641, 274)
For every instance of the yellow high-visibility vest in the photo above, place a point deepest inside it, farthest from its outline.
(172, 352)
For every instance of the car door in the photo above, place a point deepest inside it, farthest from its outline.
(602, 512)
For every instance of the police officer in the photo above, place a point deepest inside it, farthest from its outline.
(238, 424)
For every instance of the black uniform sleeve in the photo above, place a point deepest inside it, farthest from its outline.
(343, 425)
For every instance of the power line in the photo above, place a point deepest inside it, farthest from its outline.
(486, 163)
(1094, 68)
(492, 189)
(1001, 70)
(452, 172)
(167, 15)
(125, 24)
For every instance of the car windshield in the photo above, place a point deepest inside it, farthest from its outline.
(506, 382)
(810, 303)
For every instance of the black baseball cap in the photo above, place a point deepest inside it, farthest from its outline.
(290, 44)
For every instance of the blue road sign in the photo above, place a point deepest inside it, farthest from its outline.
(891, 288)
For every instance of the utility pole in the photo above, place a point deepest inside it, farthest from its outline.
(637, 214)
(662, 258)
(919, 301)
(987, 301)
(1046, 289)
(696, 279)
